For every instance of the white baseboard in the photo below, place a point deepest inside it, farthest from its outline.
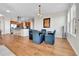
(72, 45)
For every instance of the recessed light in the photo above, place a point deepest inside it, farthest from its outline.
(1, 15)
(8, 11)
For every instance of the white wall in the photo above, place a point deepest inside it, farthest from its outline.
(2, 26)
(5, 26)
(56, 23)
(74, 40)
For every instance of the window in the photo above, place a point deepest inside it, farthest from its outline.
(68, 22)
(71, 20)
(73, 13)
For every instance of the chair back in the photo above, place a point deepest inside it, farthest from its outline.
(54, 31)
(36, 36)
(30, 34)
(43, 31)
(50, 38)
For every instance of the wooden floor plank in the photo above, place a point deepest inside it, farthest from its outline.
(22, 46)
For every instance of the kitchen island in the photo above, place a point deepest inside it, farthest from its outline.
(21, 32)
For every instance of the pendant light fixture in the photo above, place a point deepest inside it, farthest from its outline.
(39, 14)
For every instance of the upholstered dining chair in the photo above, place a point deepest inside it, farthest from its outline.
(43, 31)
(30, 34)
(37, 38)
(50, 37)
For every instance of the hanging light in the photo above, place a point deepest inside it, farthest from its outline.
(19, 19)
(39, 10)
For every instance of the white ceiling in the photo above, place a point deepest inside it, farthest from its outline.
(29, 10)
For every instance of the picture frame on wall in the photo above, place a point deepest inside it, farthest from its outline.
(46, 22)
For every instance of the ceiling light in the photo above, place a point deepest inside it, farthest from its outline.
(39, 11)
(1, 16)
(8, 11)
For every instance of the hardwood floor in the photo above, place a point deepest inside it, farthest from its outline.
(22, 46)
